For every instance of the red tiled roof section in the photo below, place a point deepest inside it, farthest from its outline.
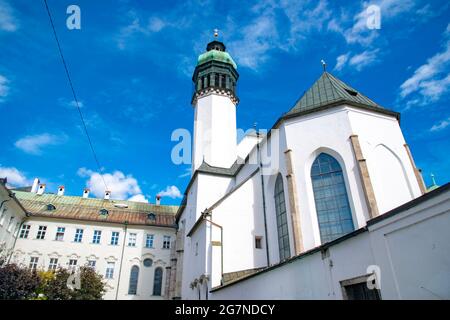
(76, 209)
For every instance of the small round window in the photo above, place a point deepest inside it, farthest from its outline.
(148, 262)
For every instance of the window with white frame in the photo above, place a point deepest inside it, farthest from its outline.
(92, 263)
(41, 232)
(132, 239)
(109, 274)
(34, 263)
(73, 264)
(10, 224)
(114, 238)
(149, 240)
(53, 264)
(24, 231)
(97, 236)
(166, 242)
(60, 233)
(78, 235)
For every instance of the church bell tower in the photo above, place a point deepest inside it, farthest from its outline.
(214, 101)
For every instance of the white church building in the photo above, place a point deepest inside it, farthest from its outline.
(326, 201)
(327, 204)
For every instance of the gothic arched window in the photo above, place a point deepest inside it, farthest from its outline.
(157, 281)
(282, 226)
(134, 276)
(330, 195)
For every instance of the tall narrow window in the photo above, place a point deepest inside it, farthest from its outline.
(216, 80)
(149, 241)
(97, 236)
(330, 196)
(166, 242)
(24, 231)
(41, 232)
(134, 275)
(280, 208)
(78, 235)
(33, 263)
(109, 274)
(114, 238)
(223, 80)
(157, 281)
(60, 233)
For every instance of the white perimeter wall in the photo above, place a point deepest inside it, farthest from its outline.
(411, 248)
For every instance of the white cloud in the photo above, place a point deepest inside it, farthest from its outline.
(70, 103)
(14, 176)
(35, 143)
(431, 80)
(156, 24)
(441, 125)
(121, 186)
(4, 88)
(138, 198)
(7, 20)
(341, 61)
(358, 61)
(171, 192)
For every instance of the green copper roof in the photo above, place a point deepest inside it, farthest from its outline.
(216, 55)
(328, 90)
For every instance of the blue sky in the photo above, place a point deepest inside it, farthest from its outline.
(131, 65)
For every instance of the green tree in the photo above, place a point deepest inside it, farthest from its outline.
(18, 283)
(91, 286)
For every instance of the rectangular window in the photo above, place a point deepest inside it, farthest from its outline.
(149, 241)
(78, 235)
(60, 233)
(91, 263)
(166, 242)
(132, 240)
(115, 238)
(24, 231)
(258, 242)
(97, 236)
(360, 291)
(33, 263)
(109, 274)
(41, 232)
(72, 264)
(10, 224)
(53, 264)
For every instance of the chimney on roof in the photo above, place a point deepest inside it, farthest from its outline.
(41, 189)
(86, 193)
(61, 191)
(158, 200)
(107, 195)
(35, 186)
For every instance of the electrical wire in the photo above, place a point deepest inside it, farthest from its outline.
(74, 94)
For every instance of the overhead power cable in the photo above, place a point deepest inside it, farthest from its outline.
(74, 94)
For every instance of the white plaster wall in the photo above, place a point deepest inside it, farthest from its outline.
(11, 216)
(389, 166)
(307, 137)
(215, 136)
(411, 249)
(102, 253)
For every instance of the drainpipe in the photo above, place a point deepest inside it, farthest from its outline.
(221, 243)
(121, 256)
(263, 196)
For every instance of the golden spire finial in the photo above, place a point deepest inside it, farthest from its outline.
(216, 33)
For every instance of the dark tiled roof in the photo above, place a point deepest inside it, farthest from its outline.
(206, 168)
(328, 91)
(78, 208)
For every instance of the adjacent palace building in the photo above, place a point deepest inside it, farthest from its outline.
(329, 204)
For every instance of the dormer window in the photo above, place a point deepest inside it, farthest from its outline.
(103, 212)
(151, 216)
(351, 92)
(50, 207)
